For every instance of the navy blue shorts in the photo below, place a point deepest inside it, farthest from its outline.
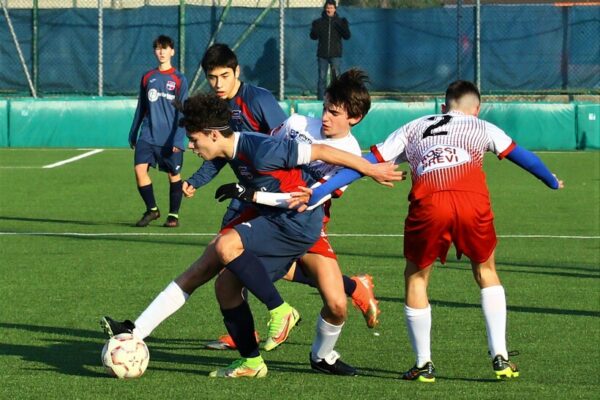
(167, 161)
(279, 241)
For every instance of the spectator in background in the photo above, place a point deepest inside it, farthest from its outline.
(329, 30)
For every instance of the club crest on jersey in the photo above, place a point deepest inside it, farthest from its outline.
(152, 95)
(441, 156)
(170, 85)
(236, 114)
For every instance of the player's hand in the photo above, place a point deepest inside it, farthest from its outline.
(299, 200)
(234, 191)
(176, 149)
(188, 190)
(561, 184)
(386, 173)
(132, 145)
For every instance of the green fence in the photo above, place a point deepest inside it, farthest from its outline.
(105, 122)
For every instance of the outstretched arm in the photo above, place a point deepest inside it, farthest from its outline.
(532, 164)
(383, 173)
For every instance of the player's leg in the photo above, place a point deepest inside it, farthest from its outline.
(427, 236)
(171, 299)
(475, 236)
(327, 275)
(261, 235)
(144, 158)
(359, 288)
(240, 325)
(171, 162)
(418, 321)
(493, 304)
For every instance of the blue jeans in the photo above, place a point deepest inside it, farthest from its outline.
(323, 65)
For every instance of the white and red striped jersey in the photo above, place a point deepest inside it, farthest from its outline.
(308, 130)
(445, 152)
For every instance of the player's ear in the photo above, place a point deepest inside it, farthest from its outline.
(477, 109)
(237, 72)
(354, 120)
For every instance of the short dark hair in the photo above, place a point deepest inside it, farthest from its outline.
(458, 89)
(204, 111)
(163, 41)
(330, 2)
(219, 55)
(350, 91)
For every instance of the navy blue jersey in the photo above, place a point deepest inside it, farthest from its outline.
(273, 164)
(155, 111)
(254, 109)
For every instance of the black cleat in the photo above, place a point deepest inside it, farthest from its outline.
(337, 368)
(171, 222)
(424, 374)
(148, 217)
(113, 328)
(504, 368)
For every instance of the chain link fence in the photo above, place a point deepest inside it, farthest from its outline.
(409, 48)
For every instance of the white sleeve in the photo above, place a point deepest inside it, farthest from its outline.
(392, 149)
(304, 153)
(499, 140)
(273, 199)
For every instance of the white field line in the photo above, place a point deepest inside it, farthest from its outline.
(69, 160)
(381, 235)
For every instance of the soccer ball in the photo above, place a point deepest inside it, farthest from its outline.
(125, 356)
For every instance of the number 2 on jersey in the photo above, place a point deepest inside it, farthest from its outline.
(429, 131)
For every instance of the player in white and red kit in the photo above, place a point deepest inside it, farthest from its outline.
(449, 203)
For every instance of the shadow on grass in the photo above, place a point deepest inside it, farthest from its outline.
(65, 221)
(77, 352)
(519, 309)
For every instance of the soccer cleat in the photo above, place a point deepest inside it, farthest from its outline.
(113, 328)
(241, 369)
(337, 368)
(426, 373)
(363, 298)
(171, 222)
(504, 368)
(148, 217)
(226, 342)
(283, 319)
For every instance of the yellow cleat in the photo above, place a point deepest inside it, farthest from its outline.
(504, 369)
(241, 369)
(283, 319)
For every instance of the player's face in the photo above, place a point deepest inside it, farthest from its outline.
(163, 55)
(224, 81)
(335, 121)
(330, 10)
(202, 144)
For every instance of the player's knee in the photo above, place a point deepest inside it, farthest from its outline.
(337, 307)
(227, 248)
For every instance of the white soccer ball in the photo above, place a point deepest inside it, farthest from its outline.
(125, 356)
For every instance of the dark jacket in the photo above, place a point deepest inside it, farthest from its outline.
(329, 31)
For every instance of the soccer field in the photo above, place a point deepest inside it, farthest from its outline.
(69, 255)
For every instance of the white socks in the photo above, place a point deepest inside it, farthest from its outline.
(327, 336)
(493, 303)
(166, 303)
(418, 321)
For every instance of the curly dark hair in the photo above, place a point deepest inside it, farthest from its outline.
(350, 91)
(205, 110)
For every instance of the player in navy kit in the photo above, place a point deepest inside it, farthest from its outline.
(160, 139)
(253, 109)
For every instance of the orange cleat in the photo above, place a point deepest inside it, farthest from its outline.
(226, 342)
(363, 298)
